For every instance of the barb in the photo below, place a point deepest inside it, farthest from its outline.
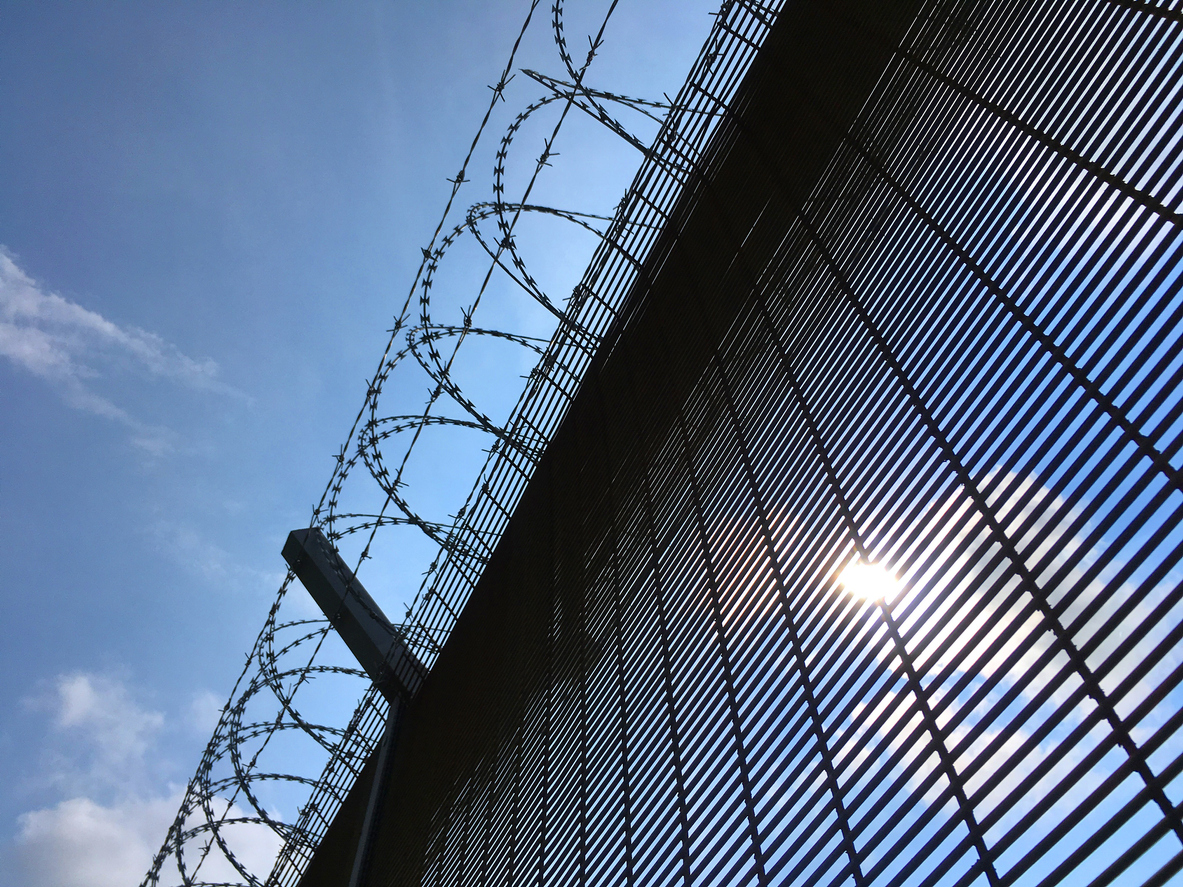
(226, 802)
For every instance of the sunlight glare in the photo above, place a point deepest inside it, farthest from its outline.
(868, 581)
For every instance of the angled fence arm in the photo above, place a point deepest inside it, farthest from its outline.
(376, 645)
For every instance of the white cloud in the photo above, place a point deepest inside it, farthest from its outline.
(204, 712)
(120, 727)
(79, 843)
(935, 609)
(101, 737)
(65, 344)
(254, 845)
(103, 752)
(1040, 526)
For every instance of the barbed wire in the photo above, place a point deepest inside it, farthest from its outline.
(222, 814)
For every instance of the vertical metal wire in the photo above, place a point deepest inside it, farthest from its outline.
(925, 318)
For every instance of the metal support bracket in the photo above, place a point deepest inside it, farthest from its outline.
(378, 648)
(353, 613)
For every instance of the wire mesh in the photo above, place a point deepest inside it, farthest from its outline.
(282, 693)
(855, 559)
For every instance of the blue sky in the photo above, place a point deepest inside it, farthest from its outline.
(208, 215)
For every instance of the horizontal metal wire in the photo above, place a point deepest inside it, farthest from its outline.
(276, 698)
(856, 557)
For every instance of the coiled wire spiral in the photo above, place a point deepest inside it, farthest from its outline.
(223, 811)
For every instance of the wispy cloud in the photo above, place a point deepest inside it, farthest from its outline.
(100, 736)
(73, 348)
(198, 555)
(205, 710)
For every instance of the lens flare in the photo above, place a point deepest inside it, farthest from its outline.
(868, 581)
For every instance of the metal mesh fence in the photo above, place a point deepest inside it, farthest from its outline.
(856, 557)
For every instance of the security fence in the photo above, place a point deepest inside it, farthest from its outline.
(855, 559)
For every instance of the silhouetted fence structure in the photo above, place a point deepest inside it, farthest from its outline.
(853, 556)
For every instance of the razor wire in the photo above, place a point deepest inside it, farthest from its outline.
(222, 811)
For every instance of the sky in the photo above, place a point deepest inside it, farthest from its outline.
(209, 213)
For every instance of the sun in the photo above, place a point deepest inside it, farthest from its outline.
(868, 581)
